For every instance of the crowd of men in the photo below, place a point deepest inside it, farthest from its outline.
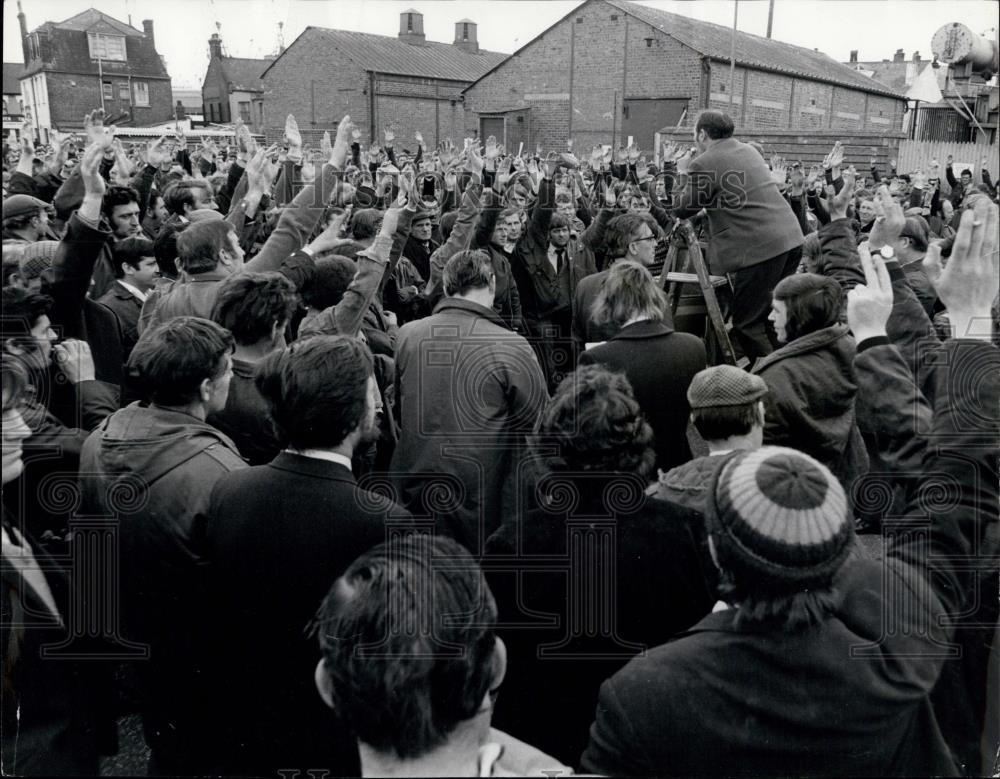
(391, 461)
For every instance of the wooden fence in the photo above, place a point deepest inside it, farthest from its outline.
(918, 154)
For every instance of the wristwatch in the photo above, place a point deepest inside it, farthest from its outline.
(886, 252)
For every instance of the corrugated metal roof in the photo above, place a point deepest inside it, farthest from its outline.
(243, 73)
(714, 40)
(383, 54)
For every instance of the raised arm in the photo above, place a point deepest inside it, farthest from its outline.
(298, 221)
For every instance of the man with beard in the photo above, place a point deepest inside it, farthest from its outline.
(278, 537)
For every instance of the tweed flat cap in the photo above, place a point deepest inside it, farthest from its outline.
(724, 385)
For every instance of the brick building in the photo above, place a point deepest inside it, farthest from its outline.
(92, 61)
(232, 89)
(611, 69)
(408, 81)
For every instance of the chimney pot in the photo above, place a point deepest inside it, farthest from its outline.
(900, 56)
(147, 28)
(854, 55)
(215, 46)
(916, 56)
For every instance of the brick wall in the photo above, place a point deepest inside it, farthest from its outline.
(315, 85)
(319, 87)
(71, 96)
(848, 109)
(611, 62)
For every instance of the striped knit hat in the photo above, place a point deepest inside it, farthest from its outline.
(779, 521)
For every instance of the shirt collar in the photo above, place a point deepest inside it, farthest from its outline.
(322, 454)
(135, 291)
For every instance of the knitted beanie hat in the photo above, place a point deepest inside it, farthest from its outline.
(779, 521)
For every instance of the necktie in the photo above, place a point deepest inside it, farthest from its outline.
(560, 259)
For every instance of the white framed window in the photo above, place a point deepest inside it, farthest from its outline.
(244, 108)
(106, 47)
(109, 92)
(140, 90)
(123, 91)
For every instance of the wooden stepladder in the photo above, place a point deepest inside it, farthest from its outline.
(683, 236)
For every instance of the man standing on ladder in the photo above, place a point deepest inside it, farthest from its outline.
(753, 234)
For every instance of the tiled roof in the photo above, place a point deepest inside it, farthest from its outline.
(11, 78)
(383, 54)
(714, 40)
(893, 74)
(244, 74)
(87, 20)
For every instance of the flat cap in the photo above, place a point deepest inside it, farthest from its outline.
(725, 385)
(21, 205)
(37, 257)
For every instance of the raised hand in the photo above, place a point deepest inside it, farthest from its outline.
(490, 151)
(607, 155)
(342, 145)
(569, 160)
(684, 162)
(157, 152)
(797, 182)
(446, 152)
(294, 138)
(837, 155)
(261, 171)
(596, 157)
(633, 153)
(473, 162)
(326, 145)
(969, 283)
(870, 304)
(838, 202)
(620, 155)
(889, 220)
(96, 132)
(90, 171)
(779, 170)
(419, 138)
(389, 135)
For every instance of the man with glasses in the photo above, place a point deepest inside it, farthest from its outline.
(631, 236)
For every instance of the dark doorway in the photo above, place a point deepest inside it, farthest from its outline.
(491, 125)
(644, 118)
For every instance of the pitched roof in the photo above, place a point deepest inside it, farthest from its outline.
(86, 21)
(893, 74)
(11, 78)
(244, 73)
(714, 41)
(383, 54)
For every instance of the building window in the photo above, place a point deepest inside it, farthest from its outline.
(244, 107)
(409, 22)
(614, 17)
(106, 47)
(260, 112)
(109, 92)
(123, 91)
(141, 91)
(465, 31)
(722, 87)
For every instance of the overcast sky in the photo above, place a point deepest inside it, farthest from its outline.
(249, 28)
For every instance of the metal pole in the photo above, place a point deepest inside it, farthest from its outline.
(770, 17)
(732, 54)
